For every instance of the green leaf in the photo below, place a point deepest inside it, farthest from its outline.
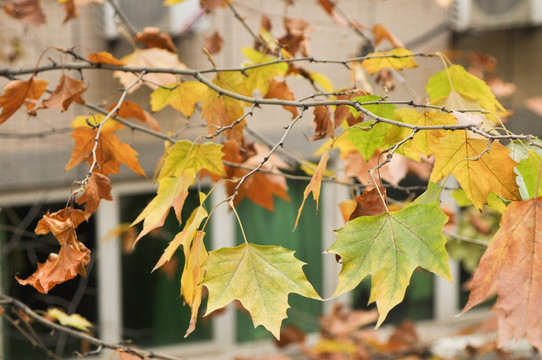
(73, 320)
(260, 277)
(454, 81)
(367, 142)
(431, 195)
(389, 247)
(185, 154)
(528, 178)
(182, 97)
(258, 78)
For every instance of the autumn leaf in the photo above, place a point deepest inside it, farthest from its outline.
(370, 203)
(260, 277)
(67, 91)
(110, 153)
(74, 320)
(493, 172)
(297, 36)
(397, 59)
(423, 142)
(325, 127)
(213, 43)
(153, 38)
(72, 258)
(130, 109)
(182, 96)
(185, 154)
(393, 172)
(17, 92)
(220, 111)
(172, 192)
(104, 57)
(511, 263)
(259, 77)
(380, 33)
(529, 174)
(150, 58)
(329, 7)
(97, 188)
(389, 247)
(314, 185)
(457, 89)
(28, 11)
(280, 90)
(342, 112)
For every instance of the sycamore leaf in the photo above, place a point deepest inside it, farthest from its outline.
(393, 172)
(258, 78)
(150, 58)
(370, 203)
(104, 57)
(325, 127)
(191, 288)
(512, 263)
(153, 38)
(397, 59)
(314, 185)
(260, 277)
(28, 11)
(67, 91)
(529, 175)
(17, 92)
(110, 153)
(97, 188)
(342, 112)
(368, 141)
(73, 320)
(130, 109)
(297, 36)
(72, 258)
(493, 172)
(182, 96)
(185, 154)
(280, 90)
(95, 120)
(389, 247)
(322, 80)
(213, 43)
(221, 111)
(380, 33)
(172, 192)
(458, 89)
(423, 142)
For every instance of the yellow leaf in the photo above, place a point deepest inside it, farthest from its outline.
(397, 59)
(95, 120)
(73, 320)
(260, 277)
(182, 96)
(258, 78)
(492, 172)
(323, 81)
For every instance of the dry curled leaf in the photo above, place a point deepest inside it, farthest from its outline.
(324, 126)
(17, 92)
(97, 188)
(280, 90)
(152, 37)
(28, 11)
(130, 109)
(213, 43)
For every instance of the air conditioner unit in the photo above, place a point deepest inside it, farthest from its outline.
(494, 14)
(175, 20)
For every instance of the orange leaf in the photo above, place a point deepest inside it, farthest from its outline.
(324, 126)
(280, 90)
(67, 90)
(72, 258)
(153, 38)
(110, 152)
(214, 43)
(297, 36)
(97, 188)
(370, 203)
(17, 92)
(105, 58)
(28, 11)
(380, 33)
(130, 109)
(70, 11)
(512, 263)
(342, 112)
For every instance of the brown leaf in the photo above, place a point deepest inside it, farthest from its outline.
(213, 43)
(380, 33)
(70, 10)
(329, 8)
(266, 23)
(403, 339)
(97, 188)
(280, 90)
(72, 258)
(110, 152)
(342, 322)
(17, 92)
(297, 36)
(213, 4)
(130, 109)
(342, 112)
(153, 38)
(370, 203)
(105, 58)
(385, 78)
(28, 11)
(324, 126)
(67, 91)
(291, 334)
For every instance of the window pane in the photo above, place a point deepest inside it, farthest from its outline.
(153, 310)
(265, 228)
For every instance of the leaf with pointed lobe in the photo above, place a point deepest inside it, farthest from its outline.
(104, 57)
(492, 172)
(97, 188)
(325, 127)
(182, 96)
(260, 277)
(512, 263)
(172, 192)
(17, 92)
(397, 59)
(153, 38)
(370, 203)
(389, 247)
(258, 78)
(67, 91)
(380, 33)
(95, 120)
(280, 90)
(342, 112)
(314, 185)
(130, 109)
